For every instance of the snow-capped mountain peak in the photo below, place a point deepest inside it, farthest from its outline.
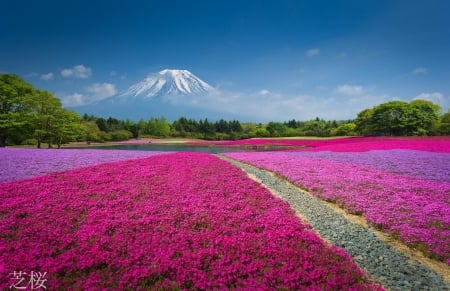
(169, 82)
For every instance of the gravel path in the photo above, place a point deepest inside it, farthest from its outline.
(385, 265)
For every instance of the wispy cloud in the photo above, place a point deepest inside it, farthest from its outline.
(94, 93)
(312, 52)
(78, 71)
(436, 97)
(47, 77)
(264, 92)
(73, 100)
(349, 89)
(100, 91)
(420, 70)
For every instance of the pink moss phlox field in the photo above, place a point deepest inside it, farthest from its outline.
(353, 144)
(362, 144)
(415, 210)
(420, 164)
(17, 164)
(175, 221)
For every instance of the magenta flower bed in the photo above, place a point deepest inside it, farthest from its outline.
(354, 144)
(17, 164)
(420, 164)
(415, 210)
(362, 144)
(184, 220)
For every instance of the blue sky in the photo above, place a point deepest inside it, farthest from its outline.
(270, 60)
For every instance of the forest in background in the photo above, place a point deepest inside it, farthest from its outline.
(30, 116)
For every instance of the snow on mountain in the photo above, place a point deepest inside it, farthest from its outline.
(168, 93)
(169, 82)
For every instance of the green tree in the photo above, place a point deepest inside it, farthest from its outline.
(262, 132)
(132, 127)
(431, 113)
(364, 122)
(121, 134)
(68, 127)
(158, 127)
(114, 124)
(444, 125)
(276, 129)
(235, 127)
(46, 116)
(102, 124)
(222, 126)
(249, 129)
(347, 129)
(207, 128)
(398, 118)
(141, 125)
(91, 132)
(14, 99)
(316, 127)
(292, 123)
(185, 127)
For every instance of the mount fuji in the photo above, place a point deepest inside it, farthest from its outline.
(169, 82)
(169, 93)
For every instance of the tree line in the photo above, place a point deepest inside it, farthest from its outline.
(32, 116)
(112, 129)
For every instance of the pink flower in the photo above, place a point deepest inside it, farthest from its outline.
(184, 220)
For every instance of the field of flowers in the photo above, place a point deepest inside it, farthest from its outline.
(351, 144)
(17, 164)
(421, 164)
(181, 220)
(404, 192)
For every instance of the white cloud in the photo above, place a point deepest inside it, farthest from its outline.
(100, 91)
(435, 97)
(96, 92)
(264, 92)
(420, 70)
(350, 89)
(78, 71)
(73, 100)
(313, 52)
(47, 77)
